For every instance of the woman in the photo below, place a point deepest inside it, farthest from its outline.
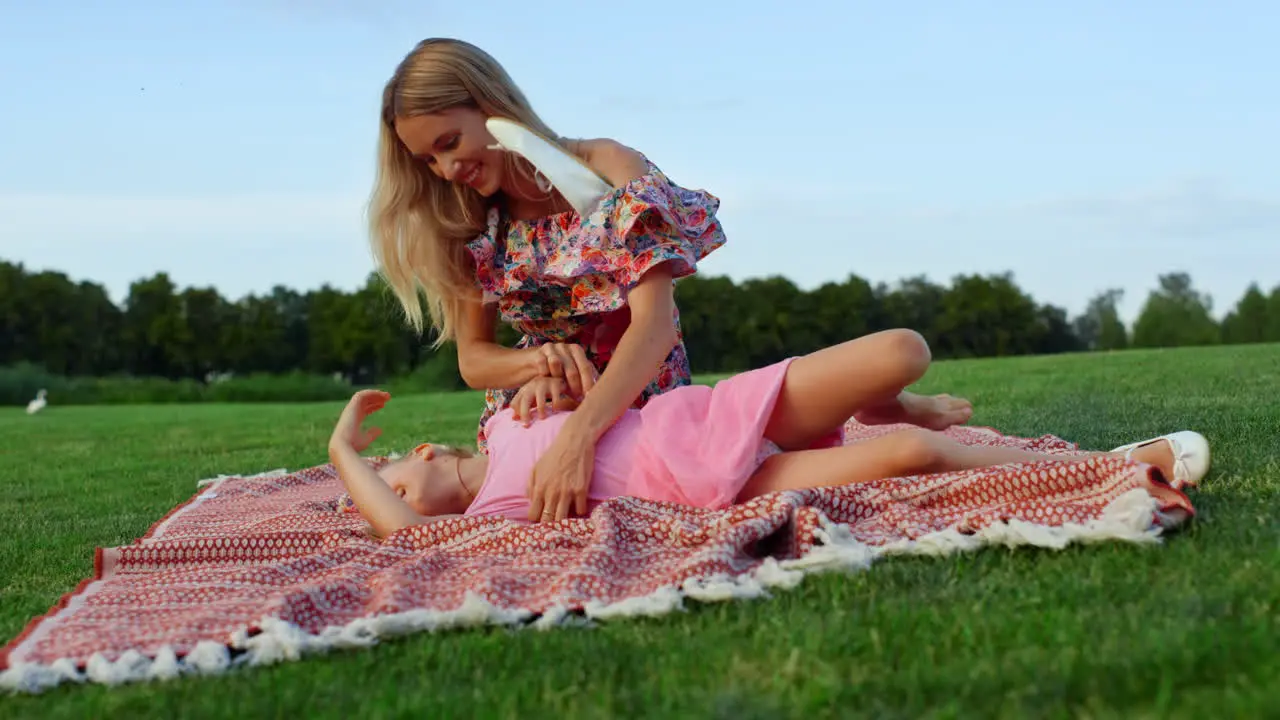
(473, 228)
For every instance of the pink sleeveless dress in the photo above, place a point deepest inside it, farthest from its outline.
(692, 445)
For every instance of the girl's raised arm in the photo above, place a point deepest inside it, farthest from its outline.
(386, 511)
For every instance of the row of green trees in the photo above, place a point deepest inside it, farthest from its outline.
(74, 329)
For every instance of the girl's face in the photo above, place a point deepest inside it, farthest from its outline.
(455, 145)
(423, 480)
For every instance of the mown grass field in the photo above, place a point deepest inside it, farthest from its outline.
(1188, 628)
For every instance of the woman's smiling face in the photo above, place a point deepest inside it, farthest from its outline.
(455, 145)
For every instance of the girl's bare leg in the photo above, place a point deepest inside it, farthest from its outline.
(824, 389)
(900, 454)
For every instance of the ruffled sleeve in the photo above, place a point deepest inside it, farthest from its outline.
(597, 258)
(648, 221)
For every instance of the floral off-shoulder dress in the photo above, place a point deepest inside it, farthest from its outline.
(565, 277)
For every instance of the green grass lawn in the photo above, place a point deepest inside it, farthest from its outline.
(1187, 628)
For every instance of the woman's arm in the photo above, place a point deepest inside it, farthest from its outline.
(645, 343)
(485, 364)
(482, 362)
(562, 476)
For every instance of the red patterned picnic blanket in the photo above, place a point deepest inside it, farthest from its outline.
(262, 568)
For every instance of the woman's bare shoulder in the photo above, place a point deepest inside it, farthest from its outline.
(616, 162)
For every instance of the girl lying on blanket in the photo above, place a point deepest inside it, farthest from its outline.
(775, 428)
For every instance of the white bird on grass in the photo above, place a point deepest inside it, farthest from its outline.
(38, 404)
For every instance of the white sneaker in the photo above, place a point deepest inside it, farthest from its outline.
(578, 183)
(1190, 455)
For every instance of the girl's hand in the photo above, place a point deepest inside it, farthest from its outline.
(568, 361)
(561, 478)
(539, 393)
(347, 432)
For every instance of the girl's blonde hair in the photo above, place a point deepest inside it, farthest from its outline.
(419, 223)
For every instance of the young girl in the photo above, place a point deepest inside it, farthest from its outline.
(772, 429)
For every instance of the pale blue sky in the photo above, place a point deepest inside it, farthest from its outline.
(1085, 145)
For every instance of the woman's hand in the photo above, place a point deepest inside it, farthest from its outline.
(561, 478)
(347, 432)
(568, 361)
(541, 393)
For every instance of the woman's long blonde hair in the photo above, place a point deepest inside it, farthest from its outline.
(419, 223)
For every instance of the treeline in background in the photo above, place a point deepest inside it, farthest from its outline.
(170, 344)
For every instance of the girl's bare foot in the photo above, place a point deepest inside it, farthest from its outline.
(935, 412)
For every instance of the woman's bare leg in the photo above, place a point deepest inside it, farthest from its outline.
(900, 454)
(824, 389)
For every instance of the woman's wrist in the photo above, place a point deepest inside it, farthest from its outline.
(586, 424)
(533, 363)
(487, 366)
